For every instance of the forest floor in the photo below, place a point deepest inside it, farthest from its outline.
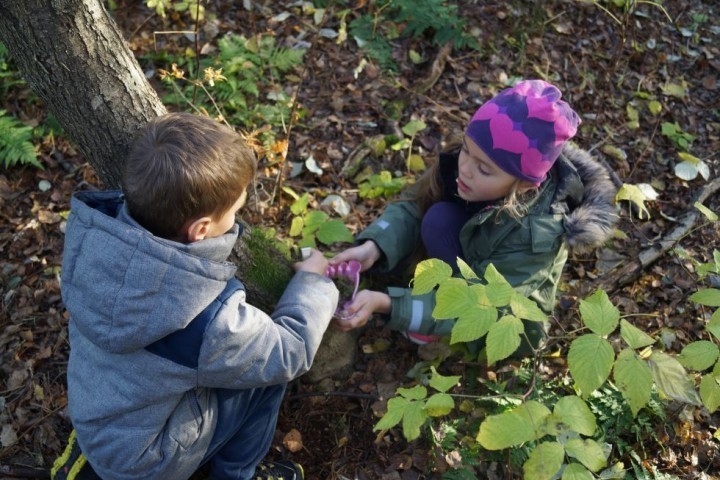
(610, 71)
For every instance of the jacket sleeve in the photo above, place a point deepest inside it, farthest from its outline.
(244, 347)
(396, 233)
(413, 313)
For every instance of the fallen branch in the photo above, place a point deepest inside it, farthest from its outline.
(618, 278)
(23, 472)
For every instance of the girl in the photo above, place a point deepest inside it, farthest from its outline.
(516, 195)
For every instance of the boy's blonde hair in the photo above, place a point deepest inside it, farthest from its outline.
(182, 167)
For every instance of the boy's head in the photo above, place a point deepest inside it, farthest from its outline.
(185, 168)
(523, 129)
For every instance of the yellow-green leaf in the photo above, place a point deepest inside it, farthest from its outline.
(672, 379)
(504, 338)
(428, 274)
(443, 383)
(576, 415)
(599, 314)
(544, 461)
(634, 379)
(655, 107)
(590, 360)
(710, 392)
(699, 355)
(439, 404)
(473, 324)
(526, 309)
(523, 424)
(633, 336)
(588, 452)
(575, 471)
(296, 226)
(413, 419)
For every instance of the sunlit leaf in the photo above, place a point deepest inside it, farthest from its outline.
(709, 214)
(443, 383)
(465, 270)
(300, 205)
(504, 338)
(296, 226)
(415, 163)
(588, 452)
(544, 461)
(428, 274)
(576, 471)
(473, 324)
(710, 392)
(418, 392)
(413, 419)
(699, 355)
(672, 379)
(590, 360)
(633, 336)
(439, 404)
(635, 195)
(334, 231)
(634, 379)
(526, 309)
(523, 424)
(413, 127)
(655, 107)
(574, 412)
(396, 410)
(453, 298)
(710, 297)
(599, 314)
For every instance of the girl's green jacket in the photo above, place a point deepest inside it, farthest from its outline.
(574, 209)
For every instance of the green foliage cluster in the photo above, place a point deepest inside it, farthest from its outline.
(620, 377)
(16, 145)
(312, 226)
(395, 19)
(233, 81)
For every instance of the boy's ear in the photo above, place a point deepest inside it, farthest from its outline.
(198, 229)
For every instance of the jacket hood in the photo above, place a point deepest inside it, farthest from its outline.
(585, 186)
(125, 288)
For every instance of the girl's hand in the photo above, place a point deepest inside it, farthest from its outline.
(367, 254)
(315, 263)
(361, 309)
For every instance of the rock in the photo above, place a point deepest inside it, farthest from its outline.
(335, 357)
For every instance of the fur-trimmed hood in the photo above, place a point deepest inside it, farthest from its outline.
(590, 215)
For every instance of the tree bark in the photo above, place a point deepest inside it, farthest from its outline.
(75, 59)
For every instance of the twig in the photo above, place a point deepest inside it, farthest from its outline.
(620, 277)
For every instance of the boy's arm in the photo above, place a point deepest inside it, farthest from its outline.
(246, 348)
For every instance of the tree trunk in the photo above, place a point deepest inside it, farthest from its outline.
(74, 58)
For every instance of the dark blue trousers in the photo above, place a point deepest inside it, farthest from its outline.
(440, 231)
(245, 428)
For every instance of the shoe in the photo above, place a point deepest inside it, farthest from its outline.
(280, 470)
(421, 339)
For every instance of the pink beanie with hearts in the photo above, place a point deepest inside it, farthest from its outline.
(523, 129)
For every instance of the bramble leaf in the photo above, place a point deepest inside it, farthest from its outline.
(576, 471)
(523, 424)
(672, 379)
(439, 404)
(599, 314)
(544, 461)
(710, 391)
(574, 412)
(504, 338)
(590, 360)
(634, 379)
(699, 355)
(428, 274)
(588, 452)
(633, 336)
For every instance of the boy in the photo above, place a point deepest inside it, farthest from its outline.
(169, 367)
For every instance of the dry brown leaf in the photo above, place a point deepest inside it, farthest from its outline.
(293, 441)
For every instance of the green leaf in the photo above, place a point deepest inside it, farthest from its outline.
(573, 412)
(713, 326)
(655, 107)
(544, 461)
(635, 195)
(710, 392)
(523, 424)
(413, 127)
(633, 336)
(334, 231)
(575, 471)
(709, 214)
(526, 309)
(465, 270)
(672, 379)
(699, 355)
(588, 452)
(296, 226)
(590, 360)
(453, 298)
(439, 404)
(300, 205)
(396, 410)
(413, 419)
(504, 338)
(418, 392)
(710, 297)
(441, 383)
(499, 294)
(675, 89)
(599, 314)
(473, 324)
(428, 274)
(415, 163)
(634, 380)
(315, 219)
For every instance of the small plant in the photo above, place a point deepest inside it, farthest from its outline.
(193, 7)
(382, 184)
(16, 145)
(677, 135)
(312, 226)
(395, 19)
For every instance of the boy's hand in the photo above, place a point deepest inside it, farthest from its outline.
(361, 309)
(314, 263)
(367, 254)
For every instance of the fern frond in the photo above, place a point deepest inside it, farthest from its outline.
(16, 146)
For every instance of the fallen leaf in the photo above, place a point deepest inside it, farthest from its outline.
(293, 441)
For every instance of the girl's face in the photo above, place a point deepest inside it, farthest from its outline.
(479, 179)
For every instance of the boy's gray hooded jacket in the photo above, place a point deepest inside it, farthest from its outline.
(573, 210)
(142, 373)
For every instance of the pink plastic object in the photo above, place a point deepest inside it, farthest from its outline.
(349, 270)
